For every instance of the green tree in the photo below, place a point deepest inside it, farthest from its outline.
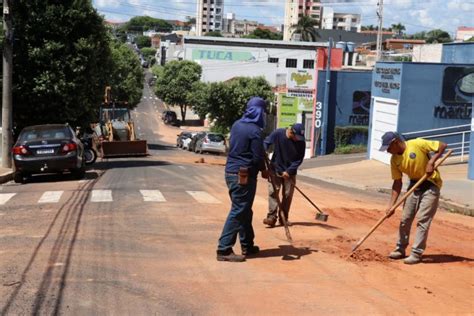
(305, 27)
(143, 41)
(174, 82)
(368, 28)
(438, 36)
(61, 60)
(146, 23)
(125, 75)
(198, 98)
(214, 34)
(148, 52)
(470, 39)
(264, 34)
(398, 29)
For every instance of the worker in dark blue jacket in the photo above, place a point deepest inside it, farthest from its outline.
(288, 153)
(244, 161)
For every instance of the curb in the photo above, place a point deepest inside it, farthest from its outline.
(5, 177)
(444, 203)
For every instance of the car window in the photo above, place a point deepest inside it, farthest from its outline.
(38, 134)
(215, 137)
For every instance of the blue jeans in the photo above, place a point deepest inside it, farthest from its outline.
(239, 220)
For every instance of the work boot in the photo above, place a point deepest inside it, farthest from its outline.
(414, 258)
(250, 251)
(229, 255)
(270, 221)
(397, 254)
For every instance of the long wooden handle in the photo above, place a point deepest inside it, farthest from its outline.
(280, 207)
(308, 199)
(405, 196)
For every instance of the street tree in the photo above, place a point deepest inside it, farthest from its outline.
(175, 80)
(398, 29)
(214, 34)
(143, 41)
(61, 61)
(140, 24)
(438, 36)
(306, 28)
(148, 52)
(264, 34)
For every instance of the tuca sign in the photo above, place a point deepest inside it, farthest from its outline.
(223, 55)
(300, 79)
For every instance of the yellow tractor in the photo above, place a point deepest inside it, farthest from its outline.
(116, 130)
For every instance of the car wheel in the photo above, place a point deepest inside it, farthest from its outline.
(18, 177)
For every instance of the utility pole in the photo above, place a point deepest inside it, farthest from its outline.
(7, 140)
(380, 30)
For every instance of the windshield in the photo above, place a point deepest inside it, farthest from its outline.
(39, 134)
(120, 114)
(215, 137)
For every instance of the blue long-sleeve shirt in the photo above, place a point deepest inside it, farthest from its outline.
(245, 148)
(287, 154)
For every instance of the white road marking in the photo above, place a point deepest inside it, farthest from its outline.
(5, 197)
(156, 99)
(101, 196)
(203, 197)
(182, 167)
(83, 181)
(51, 197)
(152, 196)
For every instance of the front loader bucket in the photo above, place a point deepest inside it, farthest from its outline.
(124, 148)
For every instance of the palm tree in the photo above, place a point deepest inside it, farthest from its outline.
(305, 27)
(398, 29)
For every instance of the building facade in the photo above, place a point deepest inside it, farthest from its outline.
(340, 21)
(295, 9)
(464, 33)
(209, 16)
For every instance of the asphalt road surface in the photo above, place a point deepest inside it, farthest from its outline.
(137, 236)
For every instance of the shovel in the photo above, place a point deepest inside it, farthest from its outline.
(320, 216)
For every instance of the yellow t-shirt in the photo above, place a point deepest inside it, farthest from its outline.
(414, 159)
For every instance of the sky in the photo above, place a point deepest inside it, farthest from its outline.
(416, 15)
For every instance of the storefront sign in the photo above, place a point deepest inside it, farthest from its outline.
(222, 55)
(360, 108)
(300, 79)
(458, 94)
(289, 108)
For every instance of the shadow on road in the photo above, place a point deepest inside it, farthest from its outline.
(161, 147)
(117, 164)
(310, 224)
(440, 258)
(287, 252)
(56, 177)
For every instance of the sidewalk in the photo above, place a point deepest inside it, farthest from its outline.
(5, 175)
(457, 193)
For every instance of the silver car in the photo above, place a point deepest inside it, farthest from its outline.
(212, 142)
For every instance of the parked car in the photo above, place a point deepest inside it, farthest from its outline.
(169, 117)
(211, 142)
(187, 141)
(47, 149)
(181, 137)
(194, 139)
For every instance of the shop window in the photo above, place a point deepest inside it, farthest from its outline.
(308, 64)
(291, 63)
(273, 60)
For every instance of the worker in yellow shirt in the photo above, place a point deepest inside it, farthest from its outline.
(413, 158)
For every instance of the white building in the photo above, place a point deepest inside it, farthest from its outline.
(209, 16)
(225, 58)
(340, 21)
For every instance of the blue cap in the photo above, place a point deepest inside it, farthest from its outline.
(298, 130)
(388, 138)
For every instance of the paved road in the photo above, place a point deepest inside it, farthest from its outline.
(138, 236)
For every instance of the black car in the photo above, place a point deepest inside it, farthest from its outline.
(169, 117)
(48, 148)
(182, 136)
(195, 139)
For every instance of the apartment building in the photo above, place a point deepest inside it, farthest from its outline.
(295, 9)
(209, 16)
(340, 21)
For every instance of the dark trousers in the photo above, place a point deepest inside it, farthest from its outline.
(286, 189)
(239, 220)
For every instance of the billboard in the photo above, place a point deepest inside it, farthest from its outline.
(300, 79)
(290, 107)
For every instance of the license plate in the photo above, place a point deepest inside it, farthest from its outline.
(45, 151)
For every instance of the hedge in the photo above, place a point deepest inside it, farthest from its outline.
(343, 135)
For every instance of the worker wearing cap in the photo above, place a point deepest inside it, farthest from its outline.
(288, 153)
(413, 158)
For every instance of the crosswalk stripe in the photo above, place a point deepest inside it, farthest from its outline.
(51, 197)
(5, 197)
(101, 196)
(152, 196)
(203, 197)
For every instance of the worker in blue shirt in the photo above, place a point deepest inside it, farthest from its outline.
(244, 161)
(288, 153)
